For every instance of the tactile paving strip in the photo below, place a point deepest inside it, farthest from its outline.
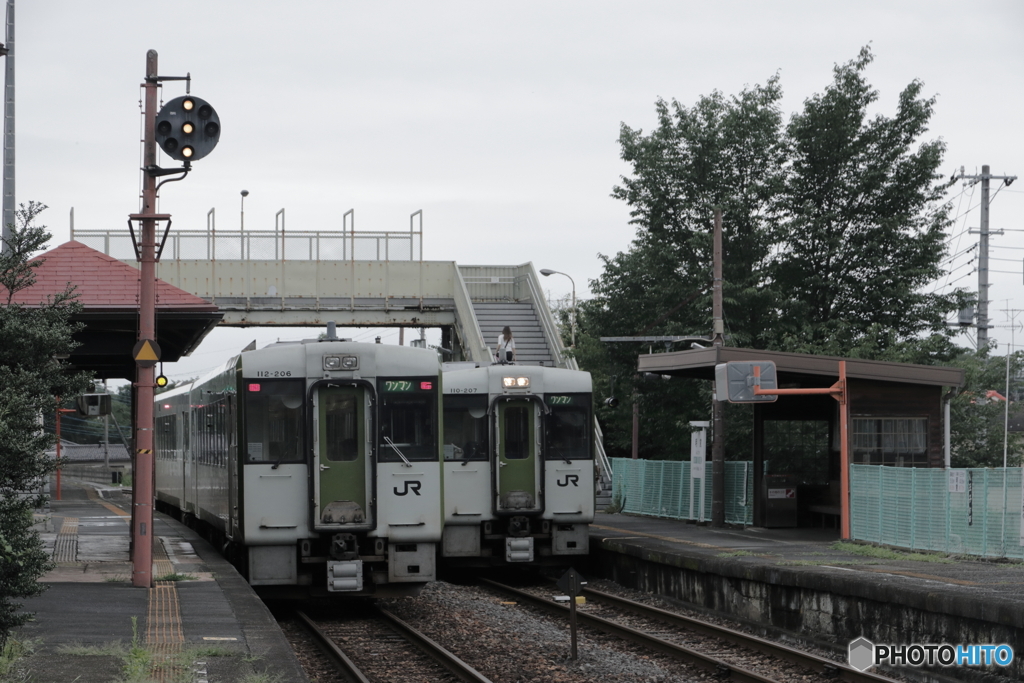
(65, 547)
(163, 630)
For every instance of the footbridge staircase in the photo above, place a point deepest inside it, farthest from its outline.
(359, 279)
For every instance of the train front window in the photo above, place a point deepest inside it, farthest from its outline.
(465, 427)
(273, 420)
(408, 415)
(517, 432)
(567, 427)
(341, 413)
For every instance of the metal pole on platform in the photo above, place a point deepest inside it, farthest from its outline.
(142, 531)
(8, 189)
(717, 409)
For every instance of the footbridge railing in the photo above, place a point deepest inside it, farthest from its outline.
(212, 244)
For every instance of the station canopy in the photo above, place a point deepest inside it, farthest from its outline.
(798, 368)
(108, 290)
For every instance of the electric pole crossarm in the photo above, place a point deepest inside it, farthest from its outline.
(985, 177)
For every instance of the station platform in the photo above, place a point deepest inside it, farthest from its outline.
(202, 621)
(804, 583)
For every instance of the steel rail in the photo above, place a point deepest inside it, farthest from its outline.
(820, 665)
(431, 648)
(341, 660)
(718, 667)
(434, 649)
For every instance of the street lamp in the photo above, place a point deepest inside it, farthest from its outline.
(245, 193)
(546, 272)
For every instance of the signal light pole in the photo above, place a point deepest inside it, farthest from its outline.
(194, 132)
(142, 481)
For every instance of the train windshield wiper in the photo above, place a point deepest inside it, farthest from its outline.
(391, 443)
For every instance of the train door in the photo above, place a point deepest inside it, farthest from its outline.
(189, 505)
(343, 467)
(183, 452)
(517, 480)
(233, 421)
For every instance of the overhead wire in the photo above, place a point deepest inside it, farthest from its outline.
(961, 233)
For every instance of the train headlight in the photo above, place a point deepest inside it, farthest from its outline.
(515, 382)
(341, 362)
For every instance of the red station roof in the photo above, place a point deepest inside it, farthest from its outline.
(108, 290)
(102, 282)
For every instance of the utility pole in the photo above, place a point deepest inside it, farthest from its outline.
(717, 409)
(8, 188)
(106, 433)
(984, 232)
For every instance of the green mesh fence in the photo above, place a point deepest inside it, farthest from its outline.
(915, 508)
(662, 488)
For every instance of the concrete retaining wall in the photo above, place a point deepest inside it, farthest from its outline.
(822, 607)
(97, 472)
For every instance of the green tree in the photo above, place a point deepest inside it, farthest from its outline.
(864, 227)
(976, 419)
(31, 340)
(723, 151)
(833, 224)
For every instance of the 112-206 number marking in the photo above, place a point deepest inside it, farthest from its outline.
(273, 373)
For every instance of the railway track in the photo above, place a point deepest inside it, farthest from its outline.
(727, 653)
(378, 647)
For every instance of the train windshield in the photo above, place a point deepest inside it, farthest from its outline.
(567, 428)
(273, 420)
(465, 427)
(408, 415)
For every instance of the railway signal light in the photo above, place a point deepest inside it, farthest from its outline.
(187, 128)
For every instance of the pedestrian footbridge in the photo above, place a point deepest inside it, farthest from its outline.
(356, 279)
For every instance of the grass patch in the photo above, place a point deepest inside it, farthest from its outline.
(261, 677)
(737, 553)
(201, 651)
(879, 553)
(13, 652)
(618, 502)
(174, 576)
(818, 563)
(114, 648)
(139, 664)
(137, 661)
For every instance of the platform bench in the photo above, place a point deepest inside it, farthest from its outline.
(826, 511)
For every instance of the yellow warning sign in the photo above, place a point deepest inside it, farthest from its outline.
(146, 353)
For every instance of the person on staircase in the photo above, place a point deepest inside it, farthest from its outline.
(506, 352)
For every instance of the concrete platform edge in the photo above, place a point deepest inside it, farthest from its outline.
(263, 636)
(827, 580)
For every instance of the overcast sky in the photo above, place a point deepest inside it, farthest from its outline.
(499, 121)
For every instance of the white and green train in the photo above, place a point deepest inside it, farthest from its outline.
(315, 465)
(518, 465)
